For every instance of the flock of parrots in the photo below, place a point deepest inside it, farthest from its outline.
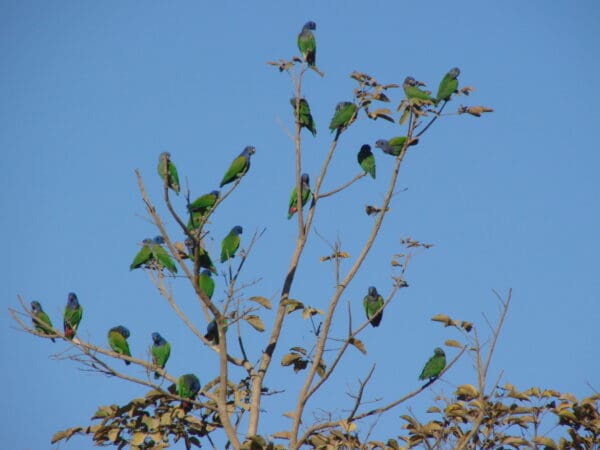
(188, 385)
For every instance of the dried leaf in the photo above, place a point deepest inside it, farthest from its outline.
(452, 343)
(289, 358)
(447, 321)
(262, 301)
(359, 345)
(542, 440)
(299, 350)
(310, 311)
(292, 305)
(255, 321)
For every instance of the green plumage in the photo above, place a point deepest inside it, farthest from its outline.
(304, 192)
(372, 303)
(153, 252)
(206, 283)
(41, 321)
(239, 166)
(160, 350)
(203, 203)
(188, 386)
(413, 92)
(72, 316)
(345, 114)
(307, 43)
(305, 118)
(231, 243)
(117, 339)
(167, 168)
(366, 160)
(434, 366)
(448, 85)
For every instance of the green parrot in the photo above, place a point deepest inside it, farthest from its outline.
(72, 316)
(448, 85)
(188, 386)
(367, 160)
(203, 256)
(434, 366)
(161, 350)
(206, 283)
(394, 145)
(167, 167)
(231, 243)
(345, 114)
(372, 303)
(200, 207)
(307, 44)
(305, 194)
(412, 91)
(305, 117)
(40, 319)
(117, 339)
(239, 166)
(152, 251)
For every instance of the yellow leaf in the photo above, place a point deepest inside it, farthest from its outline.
(281, 435)
(347, 427)
(113, 434)
(466, 392)
(310, 311)
(447, 321)
(433, 409)
(138, 438)
(292, 305)
(256, 322)
(262, 301)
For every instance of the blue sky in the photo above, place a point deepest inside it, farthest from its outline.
(93, 90)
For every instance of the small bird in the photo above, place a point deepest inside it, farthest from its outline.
(304, 195)
(307, 43)
(204, 259)
(117, 339)
(188, 386)
(158, 240)
(239, 166)
(72, 316)
(395, 145)
(152, 251)
(305, 118)
(448, 85)
(212, 333)
(412, 91)
(206, 283)
(372, 303)
(161, 350)
(231, 243)
(40, 320)
(167, 168)
(434, 366)
(200, 207)
(345, 114)
(366, 160)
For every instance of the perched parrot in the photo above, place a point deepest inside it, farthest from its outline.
(40, 320)
(307, 44)
(394, 145)
(305, 194)
(200, 207)
(305, 117)
(345, 113)
(448, 85)
(373, 303)
(188, 386)
(231, 243)
(117, 339)
(412, 91)
(434, 366)
(72, 316)
(152, 251)
(203, 256)
(367, 160)
(206, 283)
(239, 166)
(212, 334)
(167, 167)
(161, 350)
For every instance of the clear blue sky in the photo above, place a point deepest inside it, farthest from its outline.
(93, 90)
